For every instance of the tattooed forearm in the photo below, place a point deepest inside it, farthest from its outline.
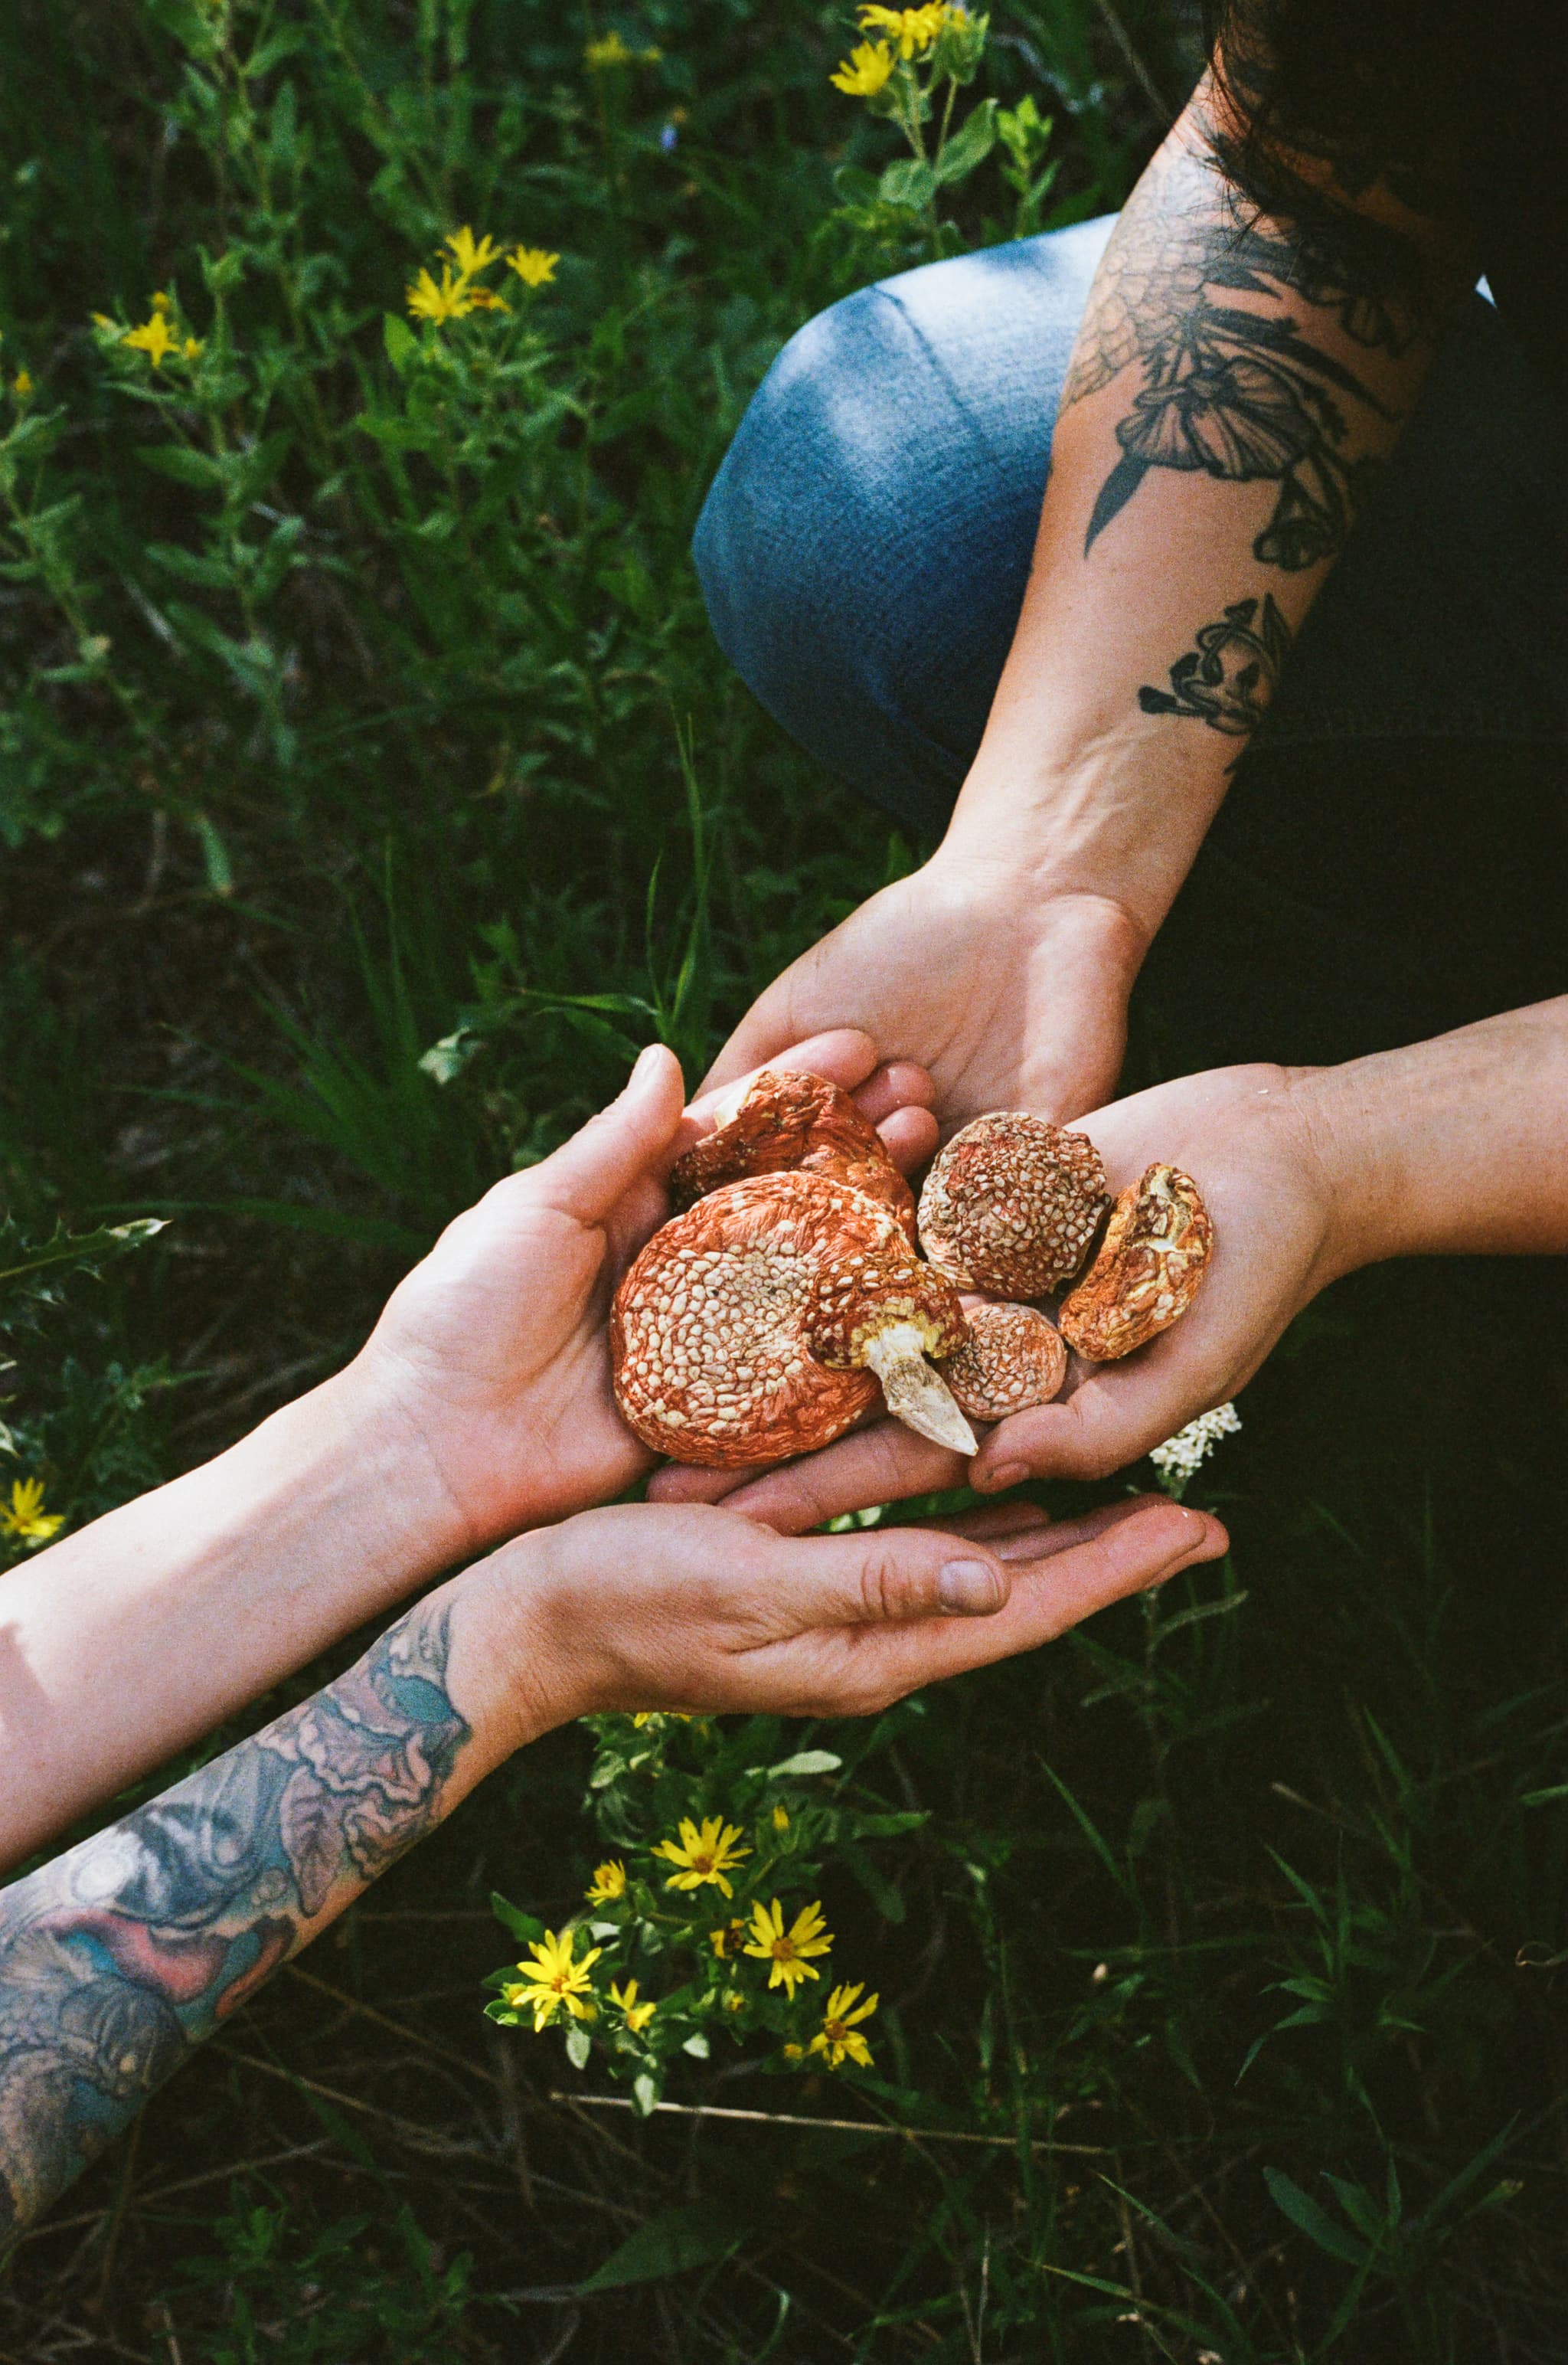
(1240, 391)
(1229, 677)
(120, 1958)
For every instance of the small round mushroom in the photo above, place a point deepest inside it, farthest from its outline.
(751, 1325)
(790, 1122)
(1011, 1359)
(1012, 1204)
(1150, 1265)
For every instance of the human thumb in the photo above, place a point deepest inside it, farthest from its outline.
(885, 1576)
(589, 1173)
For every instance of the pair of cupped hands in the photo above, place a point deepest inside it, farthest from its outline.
(490, 1369)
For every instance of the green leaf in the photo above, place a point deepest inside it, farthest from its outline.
(186, 467)
(402, 345)
(1313, 2222)
(580, 2044)
(805, 1761)
(696, 2046)
(969, 147)
(645, 2094)
(907, 182)
(191, 566)
(670, 2244)
(524, 1926)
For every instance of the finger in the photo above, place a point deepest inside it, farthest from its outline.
(1112, 1417)
(910, 1138)
(1034, 1545)
(588, 1174)
(883, 1463)
(1126, 1555)
(897, 1084)
(844, 1055)
(883, 1577)
(995, 1523)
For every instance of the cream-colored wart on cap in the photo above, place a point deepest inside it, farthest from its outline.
(770, 1317)
(1012, 1204)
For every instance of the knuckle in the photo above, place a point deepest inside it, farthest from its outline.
(888, 1587)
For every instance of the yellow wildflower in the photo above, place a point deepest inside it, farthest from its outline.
(536, 267)
(191, 350)
(608, 1883)
(911, 30)
(780, 1818)
(637, 2014)
(702, 1855)
(22, 384)
(163, 303)
(484, 300)
(552, 1980)
(726, 1942)
(471, 254)
(732, 1999)
(609, 50)
(794, 2053)
(24, 1515)
(448, 301)
(154, 338)
(838, 2037)
(787, 1950)
(862, 74)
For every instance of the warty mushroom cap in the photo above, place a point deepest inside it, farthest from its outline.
(1012, 1360)
(1148, 1269)
(743, 1331)
(796, 1122)
(1012, 1204)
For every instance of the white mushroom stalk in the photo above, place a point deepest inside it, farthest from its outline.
(915, 1392)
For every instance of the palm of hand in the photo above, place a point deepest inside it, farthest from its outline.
(495, 1349)
(1009, 1000)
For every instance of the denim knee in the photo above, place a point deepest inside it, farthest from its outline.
(863, 548)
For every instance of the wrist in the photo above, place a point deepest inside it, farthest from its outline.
(1117, 817)
(1359, 1154)
(519, 1676)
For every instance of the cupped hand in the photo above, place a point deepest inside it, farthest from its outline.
(1281, 1232)
(1009, 995)
(491, 1362)
(698, 1609)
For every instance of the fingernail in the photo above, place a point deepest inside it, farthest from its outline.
(997, 1480)
(646, 1057)
(967, 1588)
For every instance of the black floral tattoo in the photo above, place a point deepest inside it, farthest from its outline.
(117, 1959)
(1236, 391)
(1228, 680)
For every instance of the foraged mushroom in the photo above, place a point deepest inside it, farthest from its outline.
(1011, 1359)
(750, 1327)
(789, 1122)
(1012, 1204)
(1153, 1258)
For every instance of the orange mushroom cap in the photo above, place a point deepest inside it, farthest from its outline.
(1011, 1204)
(1148, 1269)
(796, 1122)
(1011, 1359)
(743, 1331)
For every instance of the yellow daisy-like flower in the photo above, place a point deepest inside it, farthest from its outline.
(446, 299)
(786, 1951)
(863, 73)
(838, 2038)
(470, 254)
(780, 1818)
(154, 338)
(24, 1515)
(637, 2014)
(703, 1855)
(726, 1942)
(608, 1883)
(535, 266)
(609, 50)
(552, 1980)
(912, 30)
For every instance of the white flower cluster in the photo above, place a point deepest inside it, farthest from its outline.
(1178, 1458)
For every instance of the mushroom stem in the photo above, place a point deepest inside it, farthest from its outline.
(916, 1393)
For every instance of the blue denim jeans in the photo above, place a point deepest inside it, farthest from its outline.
(1393, 857)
